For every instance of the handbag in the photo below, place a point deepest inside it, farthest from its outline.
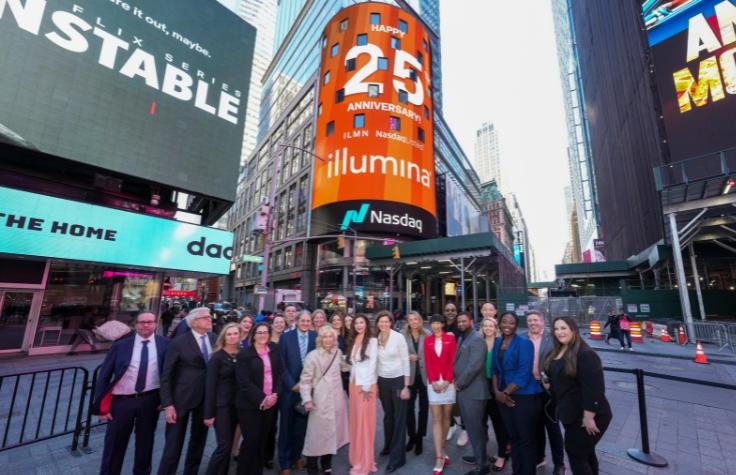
(299, 406)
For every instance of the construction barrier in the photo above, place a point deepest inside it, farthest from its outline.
(649, 326)
(715, 333)
(595, 330)
(636, 336)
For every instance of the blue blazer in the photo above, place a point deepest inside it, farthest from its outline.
(291, 358)
(116, 364)
(517, 365)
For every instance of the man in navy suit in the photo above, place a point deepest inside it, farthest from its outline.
(294, 346)
(127, 395)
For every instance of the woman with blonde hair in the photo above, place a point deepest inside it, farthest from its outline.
(490, 332)
(319, 318)
(219, 399)
(416, 424)
(320, 386)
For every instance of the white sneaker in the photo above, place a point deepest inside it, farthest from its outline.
(451, 432)
(462, 439)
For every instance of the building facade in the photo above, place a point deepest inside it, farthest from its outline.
(487, 156)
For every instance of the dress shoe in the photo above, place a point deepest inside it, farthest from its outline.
(559, 470)
(418, 449)
(300, 464)
(384, 452)
(392, 468)
(410, 444)
(469, 459)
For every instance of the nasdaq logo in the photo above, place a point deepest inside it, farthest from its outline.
(354, 216)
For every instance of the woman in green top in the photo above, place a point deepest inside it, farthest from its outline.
(489, 331)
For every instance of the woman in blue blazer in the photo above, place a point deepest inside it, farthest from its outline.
(518, 394)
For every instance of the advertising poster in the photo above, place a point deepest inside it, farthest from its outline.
(374, 125)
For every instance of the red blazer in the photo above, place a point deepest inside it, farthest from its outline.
(442, 365)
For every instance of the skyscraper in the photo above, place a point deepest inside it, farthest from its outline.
(487, 157)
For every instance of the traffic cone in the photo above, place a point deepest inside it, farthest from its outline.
(682, 337)
(700, 354)
(664, 336)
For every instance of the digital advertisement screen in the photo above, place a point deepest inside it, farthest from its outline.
(154, 89)
(693, 45)
(40, 225)
(374, 125)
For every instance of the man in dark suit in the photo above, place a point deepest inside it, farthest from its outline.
(127, 395)
(294, 346)
(472, 388)
(182, 393)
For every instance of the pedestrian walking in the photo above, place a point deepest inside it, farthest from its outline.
(320, 387)
(127, 396)
(472, 389)
(624, 324)
(393, 389)
(614, 330)
(219, 396)
(84, 334)
(577, 383)
(363, 357)
(517, 393)
(182, 393)
(439, 349)
(259, 375)
(416, 422)
(490, 333)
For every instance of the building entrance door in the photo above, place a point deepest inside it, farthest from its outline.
(17, 308)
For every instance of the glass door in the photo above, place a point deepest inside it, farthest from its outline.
(15, 313)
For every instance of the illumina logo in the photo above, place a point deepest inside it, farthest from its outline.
(379, 217)
(342, 163)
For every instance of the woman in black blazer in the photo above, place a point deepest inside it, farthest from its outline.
(259, 374)
(219, 396)
(574, 374)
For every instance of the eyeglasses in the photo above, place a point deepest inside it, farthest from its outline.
(145, 322)
(262, 333)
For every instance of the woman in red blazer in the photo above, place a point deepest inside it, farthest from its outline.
(439, 358)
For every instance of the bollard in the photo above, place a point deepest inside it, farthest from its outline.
(644, 455)
(636, 336)
(595, 330)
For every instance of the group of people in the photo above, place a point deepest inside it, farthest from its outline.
(619, 325)
(308, 385)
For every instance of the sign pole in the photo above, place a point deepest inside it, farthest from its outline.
(275, 165)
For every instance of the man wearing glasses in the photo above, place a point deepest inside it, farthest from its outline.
(182, 393)
(127, 395)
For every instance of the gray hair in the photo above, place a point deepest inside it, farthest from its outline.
(303, 312)
(195, 313)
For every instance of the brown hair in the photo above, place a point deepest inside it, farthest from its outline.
(252, 337)
(570, 357)
(380, 315)
(366, 338)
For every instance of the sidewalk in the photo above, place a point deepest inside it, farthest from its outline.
(654, 347)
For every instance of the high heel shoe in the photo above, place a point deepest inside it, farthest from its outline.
(447, 461)
(438, 471)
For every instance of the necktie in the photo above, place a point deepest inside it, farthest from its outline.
(140, 383)
(303, 345)
(205, 353)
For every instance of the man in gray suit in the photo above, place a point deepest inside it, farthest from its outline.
(472, 388)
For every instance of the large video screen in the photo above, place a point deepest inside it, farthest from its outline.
(374, 125)
(693, 44)
(154, 89)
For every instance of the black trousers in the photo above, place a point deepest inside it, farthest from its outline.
(226, 418)
(416, 424)
(521, 422)
(499, 428)
(554, 433)
(394, 419)
(254, 424)
(292, 430)
(270, 449)
(175, 434)
(580, 446)
(625, 335)
(127, 414)
(324, 460)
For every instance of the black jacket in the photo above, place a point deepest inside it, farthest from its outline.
(249, 376)
(221, 387)
(585, 392)
(184, 374)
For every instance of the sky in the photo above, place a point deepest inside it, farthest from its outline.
(499, 64)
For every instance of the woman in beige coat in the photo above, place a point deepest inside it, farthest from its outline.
(320, 386)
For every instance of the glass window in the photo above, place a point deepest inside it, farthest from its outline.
(373, 90)
(424, 45)
(323, 41)
(394, 123)
(403, 96)
(362, 40)
(420, 134)
(359, 121)
(412, 74)
(344, 25)
(420, 57)
(339, 95)
(330, 128)
(375, 18)
(383, 64)
(395, 43)
(334, 50)
(350, 65)
(326, 78)
(288, 257)
(403, 26)
(426, 112)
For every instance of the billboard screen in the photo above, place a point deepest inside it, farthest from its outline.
(137, 87)
(374, 125)
(693, 45)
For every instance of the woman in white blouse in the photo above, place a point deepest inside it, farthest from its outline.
(394, 375)
(363, 358)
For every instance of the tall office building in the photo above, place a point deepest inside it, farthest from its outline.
(487, 157)
(583, 190)
(522, 246)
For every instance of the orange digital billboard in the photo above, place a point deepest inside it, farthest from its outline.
(374, 125)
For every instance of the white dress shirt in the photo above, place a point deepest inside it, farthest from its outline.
(198, 339)
(126, 385)
(363, 373)
(393, 359)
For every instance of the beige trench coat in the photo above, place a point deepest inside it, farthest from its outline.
(327, 425)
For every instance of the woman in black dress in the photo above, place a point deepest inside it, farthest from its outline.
(574, 374)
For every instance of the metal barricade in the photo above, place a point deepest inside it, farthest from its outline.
(712, 332)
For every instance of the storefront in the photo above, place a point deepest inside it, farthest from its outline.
(66, 265)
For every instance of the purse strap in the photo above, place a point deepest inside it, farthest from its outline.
(326, 370)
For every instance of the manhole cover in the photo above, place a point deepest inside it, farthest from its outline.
(632, 386)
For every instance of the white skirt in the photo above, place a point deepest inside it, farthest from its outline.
(446, 397)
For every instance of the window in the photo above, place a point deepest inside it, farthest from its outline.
(326, 78)
(373, 90)
(339, 95)
(403, 26)
(403, 96)
(420, 134)
(359, 121)
(375, 18)
(330, 127)
(344, 25)
(319, 109)
(424, 45)
(426, 112)
(350, 65)
(395, 43)
(394, 123)
(323, 41)
(420, 58)
(383, 64)
(362, 40)
(412, 75)
(334, 50)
